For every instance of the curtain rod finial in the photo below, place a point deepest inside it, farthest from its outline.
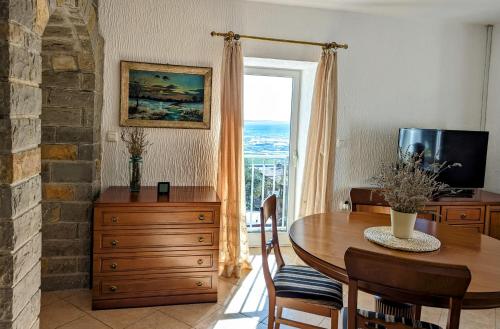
(231, 36)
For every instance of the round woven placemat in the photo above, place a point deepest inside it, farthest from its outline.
(419, 242)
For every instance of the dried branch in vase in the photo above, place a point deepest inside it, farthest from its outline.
(406, 185)
(135, 140)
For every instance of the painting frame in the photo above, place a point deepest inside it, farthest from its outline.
(126, 121)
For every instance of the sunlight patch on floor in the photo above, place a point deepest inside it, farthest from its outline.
(241, 322)
(250, 297)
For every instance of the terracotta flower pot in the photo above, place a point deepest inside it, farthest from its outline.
(402, 224)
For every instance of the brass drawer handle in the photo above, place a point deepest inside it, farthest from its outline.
(201, 239)
(201, 217)
(199, 283)
(114, 219)
(113, 288)
(200, 261)
(114, 243)
(463, 216)
(113, 266)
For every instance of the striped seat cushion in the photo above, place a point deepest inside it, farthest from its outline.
(387, 318)
(306, 283)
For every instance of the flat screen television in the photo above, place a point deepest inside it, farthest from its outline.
(469, 148)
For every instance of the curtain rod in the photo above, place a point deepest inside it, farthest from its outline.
(232, 35)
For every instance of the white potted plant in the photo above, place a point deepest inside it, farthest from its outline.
(406, 186)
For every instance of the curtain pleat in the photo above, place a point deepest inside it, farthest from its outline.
(318, 181)
(233, 234)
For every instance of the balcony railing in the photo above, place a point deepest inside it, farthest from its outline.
(266, 175)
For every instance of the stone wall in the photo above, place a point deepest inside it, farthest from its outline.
(22, 23)
(70, 149)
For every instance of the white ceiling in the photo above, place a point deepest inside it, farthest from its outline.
(470, 11)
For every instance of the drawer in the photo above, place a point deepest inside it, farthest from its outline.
(373, 209)
(493, 222)
(476, 228)
(430, 213)
(149, 240)
(142, 286)
(462, 215)
(134, 263)
(117, 217)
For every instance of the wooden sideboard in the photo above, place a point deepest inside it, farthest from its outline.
(480, 213)
(150, 250)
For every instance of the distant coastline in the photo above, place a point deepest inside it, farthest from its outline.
(266, 138)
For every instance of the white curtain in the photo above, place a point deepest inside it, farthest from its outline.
(318, 181)
(233, 233)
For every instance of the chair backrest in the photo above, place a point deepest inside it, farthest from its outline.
(268, 211)
(404, 280)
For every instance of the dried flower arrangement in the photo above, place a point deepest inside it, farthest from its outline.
(135, 140)
(406, 185)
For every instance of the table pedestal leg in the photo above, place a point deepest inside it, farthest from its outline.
(404, 310)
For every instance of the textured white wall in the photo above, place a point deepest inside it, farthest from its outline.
(396, 73)
(493, 116)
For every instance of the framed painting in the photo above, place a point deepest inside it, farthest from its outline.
(170, 96)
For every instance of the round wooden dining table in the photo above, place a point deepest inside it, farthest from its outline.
(321, 241)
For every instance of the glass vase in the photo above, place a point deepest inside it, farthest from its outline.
(135, 173)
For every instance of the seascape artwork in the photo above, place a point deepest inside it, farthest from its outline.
(165, 96)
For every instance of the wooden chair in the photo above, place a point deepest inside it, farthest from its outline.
(297, 287)
(402, 280)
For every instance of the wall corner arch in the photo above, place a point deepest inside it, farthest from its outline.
(43, 42)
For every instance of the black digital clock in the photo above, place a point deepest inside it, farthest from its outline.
(163, 188)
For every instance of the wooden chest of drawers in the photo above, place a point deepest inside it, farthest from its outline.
(149, 251)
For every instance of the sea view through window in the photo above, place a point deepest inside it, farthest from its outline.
(267, 113)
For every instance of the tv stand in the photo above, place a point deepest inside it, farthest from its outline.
(478, 211)
(458, 193)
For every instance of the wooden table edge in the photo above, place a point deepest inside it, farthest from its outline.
(472, 300)
(321, 266)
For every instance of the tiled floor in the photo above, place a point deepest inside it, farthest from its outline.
(242, 304)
